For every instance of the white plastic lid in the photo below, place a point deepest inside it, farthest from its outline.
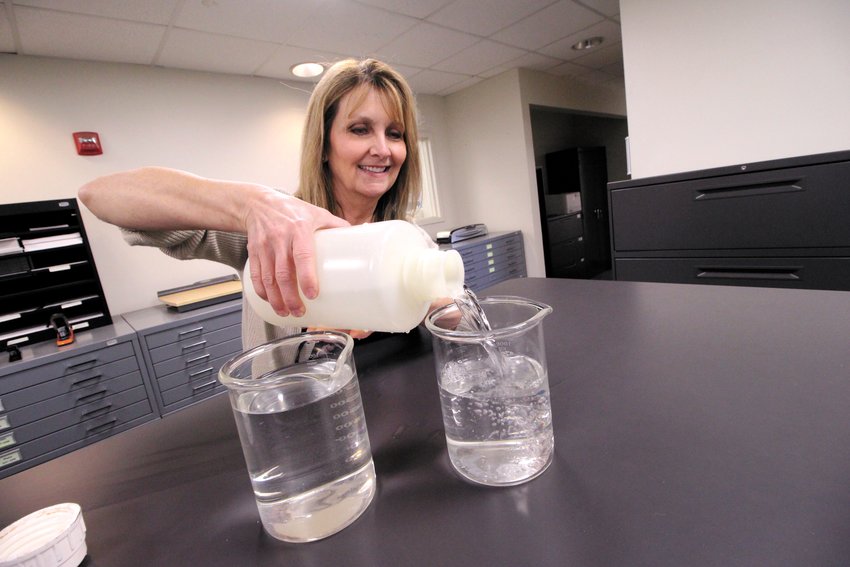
(50, 537)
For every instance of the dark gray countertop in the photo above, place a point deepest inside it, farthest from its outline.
(694, 425)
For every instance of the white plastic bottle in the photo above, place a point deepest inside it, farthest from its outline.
(378, 276)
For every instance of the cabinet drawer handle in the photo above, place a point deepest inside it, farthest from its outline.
(750, 273)
(97, 412)
(93, 395)
(204, 385)
(197, 358)
(102, 426)
(84, 380)
(93, 362)
(190, 331)
(750, 190)
(193, 345)
(199, 372)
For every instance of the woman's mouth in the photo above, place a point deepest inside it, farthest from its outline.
(375, 168)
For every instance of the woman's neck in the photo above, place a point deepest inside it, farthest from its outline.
(356, 212)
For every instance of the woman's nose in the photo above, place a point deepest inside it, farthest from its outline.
(380, 146)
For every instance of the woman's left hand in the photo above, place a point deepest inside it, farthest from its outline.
(354, 333)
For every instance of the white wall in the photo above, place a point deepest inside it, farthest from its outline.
(488, 151)
(246, 128)
(493, 148)
(719, 82)
(214, 125)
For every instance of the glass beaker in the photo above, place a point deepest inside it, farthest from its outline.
(494, 390)
(303, 432)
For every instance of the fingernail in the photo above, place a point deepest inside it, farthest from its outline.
(298, 312)
(310, 293)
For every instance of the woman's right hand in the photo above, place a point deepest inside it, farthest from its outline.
(280, 231)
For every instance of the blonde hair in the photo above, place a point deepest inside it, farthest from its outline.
(316, 185)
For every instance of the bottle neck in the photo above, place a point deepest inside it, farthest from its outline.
(430, 274)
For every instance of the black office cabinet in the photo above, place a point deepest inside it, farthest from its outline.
(46, 268)
(781, 223)
(566, 246)
(583, 171)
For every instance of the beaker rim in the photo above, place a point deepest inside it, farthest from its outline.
(266, 381)
(542, 311)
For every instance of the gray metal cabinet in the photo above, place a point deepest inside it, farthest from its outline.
(781, 223)
(487, 260)
(57, 399)
(184, 351)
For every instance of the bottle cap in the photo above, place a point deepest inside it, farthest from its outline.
(53, 536)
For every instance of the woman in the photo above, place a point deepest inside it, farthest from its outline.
(359, 164)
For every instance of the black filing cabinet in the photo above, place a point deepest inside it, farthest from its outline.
(782, 223)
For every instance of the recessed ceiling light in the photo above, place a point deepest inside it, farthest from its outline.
(588, 43)
(307, 70)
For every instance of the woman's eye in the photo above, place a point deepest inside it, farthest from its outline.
(395, 135)
(359, 130)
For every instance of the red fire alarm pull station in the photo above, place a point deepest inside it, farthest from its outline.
(88, 143)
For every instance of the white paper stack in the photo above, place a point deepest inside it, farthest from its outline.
(10, 246)
(48, 242)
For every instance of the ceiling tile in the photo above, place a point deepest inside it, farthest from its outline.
(265, 20)
(351, 28)
(608, 7)
(548, 25)
(150, 11)
(7, 41)
(441, 44)
(601, 56)
(527, 61)
(406, 70)
(479, 58)
(188, 49)
(482, 19)
(285, 56)
(568, 69)
(55, 34)
(432, 82)
(563, 49)
(412, 8)
(460, 86)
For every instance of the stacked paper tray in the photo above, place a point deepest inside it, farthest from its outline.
(202, 294)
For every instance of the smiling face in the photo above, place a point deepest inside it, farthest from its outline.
(366, 151)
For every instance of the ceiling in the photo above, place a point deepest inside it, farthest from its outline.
(441, 46)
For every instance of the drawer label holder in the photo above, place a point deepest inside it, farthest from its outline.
(10, 458)
(7, 440)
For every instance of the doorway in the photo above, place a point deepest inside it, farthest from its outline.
(555, 130)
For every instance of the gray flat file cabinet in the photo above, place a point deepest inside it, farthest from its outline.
(58, 399)
(490, 259)
(184, 351)
(781, 223)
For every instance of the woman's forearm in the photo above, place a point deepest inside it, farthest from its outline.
(156, 198)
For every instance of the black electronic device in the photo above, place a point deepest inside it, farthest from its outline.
(14, 354)
(468, 231)
(462, 233)
(64, 330)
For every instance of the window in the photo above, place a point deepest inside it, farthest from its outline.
(428, 208)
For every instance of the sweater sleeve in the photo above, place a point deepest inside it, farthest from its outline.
(227, 248)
